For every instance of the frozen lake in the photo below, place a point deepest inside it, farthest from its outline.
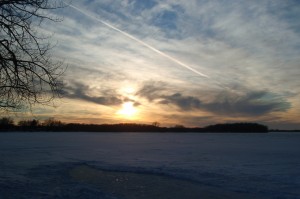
(149, 165)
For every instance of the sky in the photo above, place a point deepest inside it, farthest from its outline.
(178, 62)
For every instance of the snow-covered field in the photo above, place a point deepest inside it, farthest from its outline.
(149, 165)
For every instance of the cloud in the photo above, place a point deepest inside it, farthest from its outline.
(253, 103)
(185, 103)
(80, 91)
(94, 76)
(143, 5)
(254, 45)
(152, 90)
(250, 103)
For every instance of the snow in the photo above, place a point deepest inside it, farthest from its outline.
(88, 165)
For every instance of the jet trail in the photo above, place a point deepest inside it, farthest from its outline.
(141, 42)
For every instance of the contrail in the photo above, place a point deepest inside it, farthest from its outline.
(141, 42)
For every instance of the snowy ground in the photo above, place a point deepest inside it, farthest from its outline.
(149, 165)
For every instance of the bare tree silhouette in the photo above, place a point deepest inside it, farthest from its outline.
(28, 73)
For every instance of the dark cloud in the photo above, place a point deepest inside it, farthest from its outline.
(252, 103)
(135, 103)
(184, 102)
(80, 91)
(153, 90)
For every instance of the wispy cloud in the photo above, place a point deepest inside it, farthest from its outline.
(80, 91)
(253, 103)
(250, 50)
(250, 103)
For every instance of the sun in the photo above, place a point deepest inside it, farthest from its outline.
(128, 110)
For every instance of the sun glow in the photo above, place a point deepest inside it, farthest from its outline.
(128, 110)
(128, 90)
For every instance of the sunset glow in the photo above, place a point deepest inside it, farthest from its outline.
(192, 62)
(128, 110)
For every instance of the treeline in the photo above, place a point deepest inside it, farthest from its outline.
(237, 127)
(7, 124)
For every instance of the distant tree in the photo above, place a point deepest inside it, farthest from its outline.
(156, 124)
(29, 123)
(179, 126)
(35, 123)
(6, 123)
(52, 123)
(237, 127)
(28, 74)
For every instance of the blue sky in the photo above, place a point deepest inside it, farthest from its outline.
(248, 52)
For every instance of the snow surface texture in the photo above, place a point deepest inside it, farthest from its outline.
(149, 165)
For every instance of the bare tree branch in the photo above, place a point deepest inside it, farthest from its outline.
(28, 74)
